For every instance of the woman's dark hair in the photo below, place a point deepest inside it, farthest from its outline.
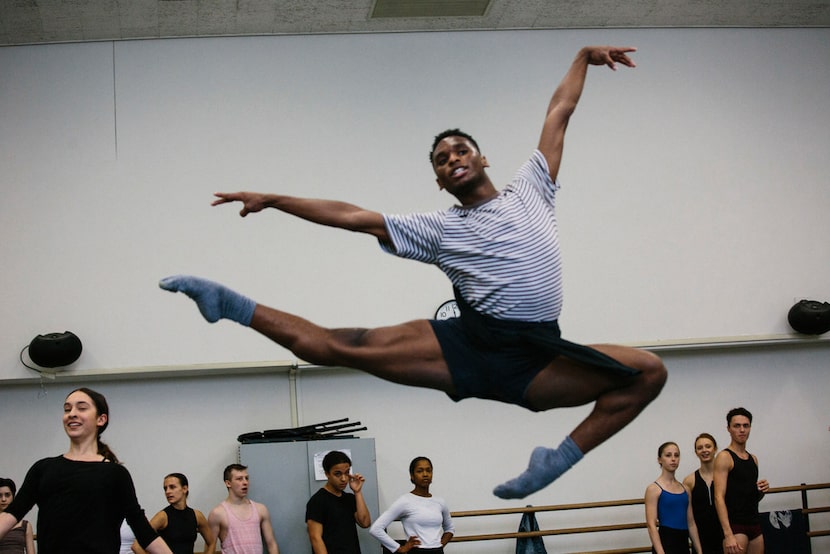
(6, 482)
(101, 408)
(415, 461)
(182, 480)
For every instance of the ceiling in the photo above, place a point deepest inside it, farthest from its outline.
(49, 21)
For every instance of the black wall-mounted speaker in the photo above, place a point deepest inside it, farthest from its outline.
(810, 317)
(55, 349)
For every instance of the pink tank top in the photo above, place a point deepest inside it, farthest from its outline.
(244, 535)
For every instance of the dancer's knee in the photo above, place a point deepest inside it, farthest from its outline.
(653, 374)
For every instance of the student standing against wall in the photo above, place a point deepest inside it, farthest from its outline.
(20, 538)
(241, 524)
(84, 494)
(425, 518)
(331, 513)
(668, 507)
(178, 523)
(738, 489)
(702, 489)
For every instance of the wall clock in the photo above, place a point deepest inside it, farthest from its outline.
(448, 310)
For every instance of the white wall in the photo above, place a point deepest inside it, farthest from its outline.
(695, 186)
(694, 206)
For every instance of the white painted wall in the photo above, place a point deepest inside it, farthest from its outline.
(694, 206)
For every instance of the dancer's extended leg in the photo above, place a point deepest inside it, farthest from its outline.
(407, 353)
(618, 402)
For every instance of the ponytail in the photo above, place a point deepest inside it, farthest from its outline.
(105, 451)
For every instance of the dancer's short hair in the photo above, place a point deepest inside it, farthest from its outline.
(451, 133)
(736, 412)
(333, 458)
(226, 475)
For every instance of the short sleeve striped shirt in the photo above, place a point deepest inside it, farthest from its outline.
(502, 255)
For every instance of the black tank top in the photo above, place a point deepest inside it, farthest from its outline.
(742, 491)
(180, 533)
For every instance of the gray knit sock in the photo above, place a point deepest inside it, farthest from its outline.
(215, 301)
(546, 465)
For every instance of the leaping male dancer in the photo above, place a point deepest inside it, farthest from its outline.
(500, 249)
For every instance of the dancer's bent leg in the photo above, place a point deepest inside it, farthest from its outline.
(618, 402)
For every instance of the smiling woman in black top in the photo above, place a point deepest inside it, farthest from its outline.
(84, 494)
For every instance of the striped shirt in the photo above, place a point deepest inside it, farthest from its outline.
(503, 255)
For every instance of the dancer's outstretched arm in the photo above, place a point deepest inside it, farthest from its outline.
(324, 212)
(564, 100)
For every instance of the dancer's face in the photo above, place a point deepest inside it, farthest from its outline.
(338, 477)
(705, 450)
(457, 164)
(669, 459)
(173, 490)
(238, 484)
(6, 498)
(80, 417)
(739, 427)
(422, 474)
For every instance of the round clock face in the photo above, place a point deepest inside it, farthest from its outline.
(448, 310)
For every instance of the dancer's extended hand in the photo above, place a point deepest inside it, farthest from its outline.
(252, 202)
(611, 56)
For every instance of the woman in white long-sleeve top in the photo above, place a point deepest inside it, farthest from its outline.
(425, 518)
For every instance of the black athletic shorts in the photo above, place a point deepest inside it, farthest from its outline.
(497, 359)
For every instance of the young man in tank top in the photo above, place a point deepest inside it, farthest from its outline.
(738, 489)
(240, 524)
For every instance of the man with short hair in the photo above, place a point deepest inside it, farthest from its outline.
(500, 249)
(331, 513)
(738, 489)
(238, 522)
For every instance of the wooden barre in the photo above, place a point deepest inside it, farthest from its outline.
(550, 532)
(798, 488)
(630, 550)
(552, 508)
